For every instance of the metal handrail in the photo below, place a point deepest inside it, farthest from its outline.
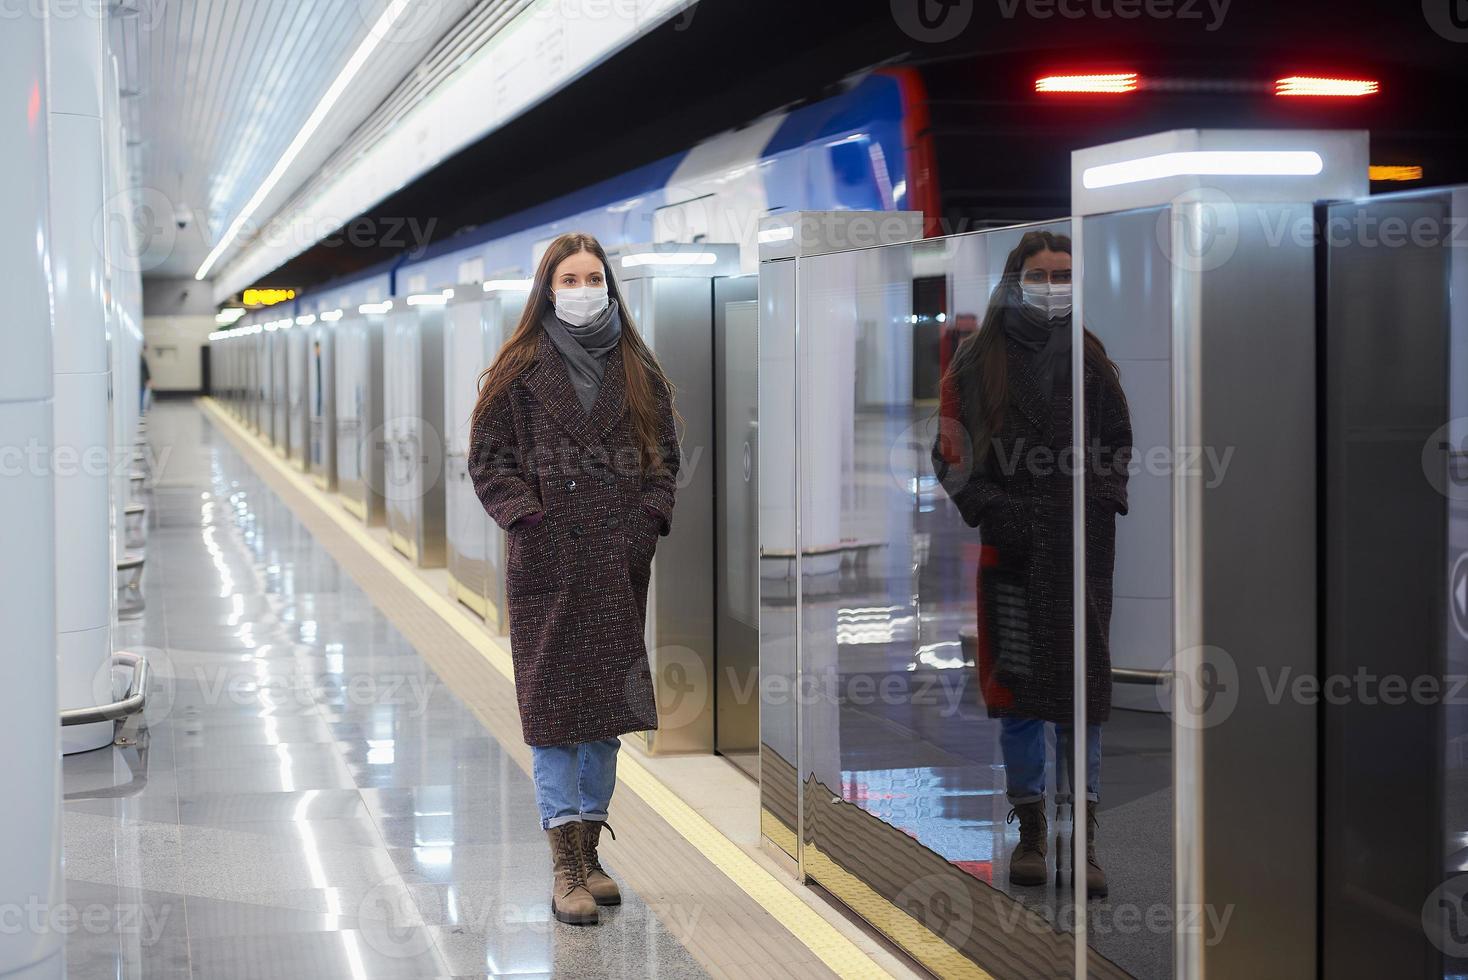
(132, 702)
(1131, 675)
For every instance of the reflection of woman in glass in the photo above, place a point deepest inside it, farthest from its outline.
(1004, 455)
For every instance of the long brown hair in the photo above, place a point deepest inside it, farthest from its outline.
(984, 353)
(638, 362)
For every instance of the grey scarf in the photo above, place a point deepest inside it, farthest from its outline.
(1047, 343)
(585, 349)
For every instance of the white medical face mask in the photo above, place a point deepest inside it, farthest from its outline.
(1050, 298)
(579, 306)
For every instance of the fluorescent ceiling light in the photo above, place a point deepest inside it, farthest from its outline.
(522, 285)
(305, 321)
(782, 234)
(367, 309)
(331, 316)
(1205, 163)
(431, 299)
(227, 317)
(668, 258)
(375, 34)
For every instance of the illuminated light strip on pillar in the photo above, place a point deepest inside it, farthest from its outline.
(1205, 163)
(1114, 84)
(1331, 87)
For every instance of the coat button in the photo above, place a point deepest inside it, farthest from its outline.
(570, 484)
(612, 522)
(577, 530)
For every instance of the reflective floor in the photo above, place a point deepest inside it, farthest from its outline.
(306, 799)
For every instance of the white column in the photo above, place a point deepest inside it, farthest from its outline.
(84, 565)
(30, 829)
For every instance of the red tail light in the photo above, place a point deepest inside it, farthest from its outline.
(1113, 84)
(1331, 87)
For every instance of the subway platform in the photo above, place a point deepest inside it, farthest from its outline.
(328, 780)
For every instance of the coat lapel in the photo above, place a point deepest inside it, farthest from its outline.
(551, 385)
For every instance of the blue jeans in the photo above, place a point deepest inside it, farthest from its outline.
(1022, 742)
(575, 781)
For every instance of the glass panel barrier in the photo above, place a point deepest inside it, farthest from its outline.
(936, 647)
(1127, 311)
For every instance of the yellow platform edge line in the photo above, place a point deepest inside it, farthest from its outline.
(843, 956)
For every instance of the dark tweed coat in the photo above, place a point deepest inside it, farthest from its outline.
(1020, 499)
(576, 582)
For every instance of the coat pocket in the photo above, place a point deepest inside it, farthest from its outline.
(641, 532)
(532, 562)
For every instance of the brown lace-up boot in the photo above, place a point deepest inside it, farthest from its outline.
(598, 882)
(571, 902)
(1027, 865)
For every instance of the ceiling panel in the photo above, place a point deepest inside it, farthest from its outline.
(216, 90)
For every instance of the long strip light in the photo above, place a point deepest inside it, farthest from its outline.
(1205, 163)
(431, 299)
(668, 258)
(1338, 87)
(306, 320)
(520, 285)
(1113, 84)
(367, 309)
(331, 316)
(354, 65)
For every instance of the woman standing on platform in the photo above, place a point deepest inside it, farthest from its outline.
(574, 453)
(1004, 455)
